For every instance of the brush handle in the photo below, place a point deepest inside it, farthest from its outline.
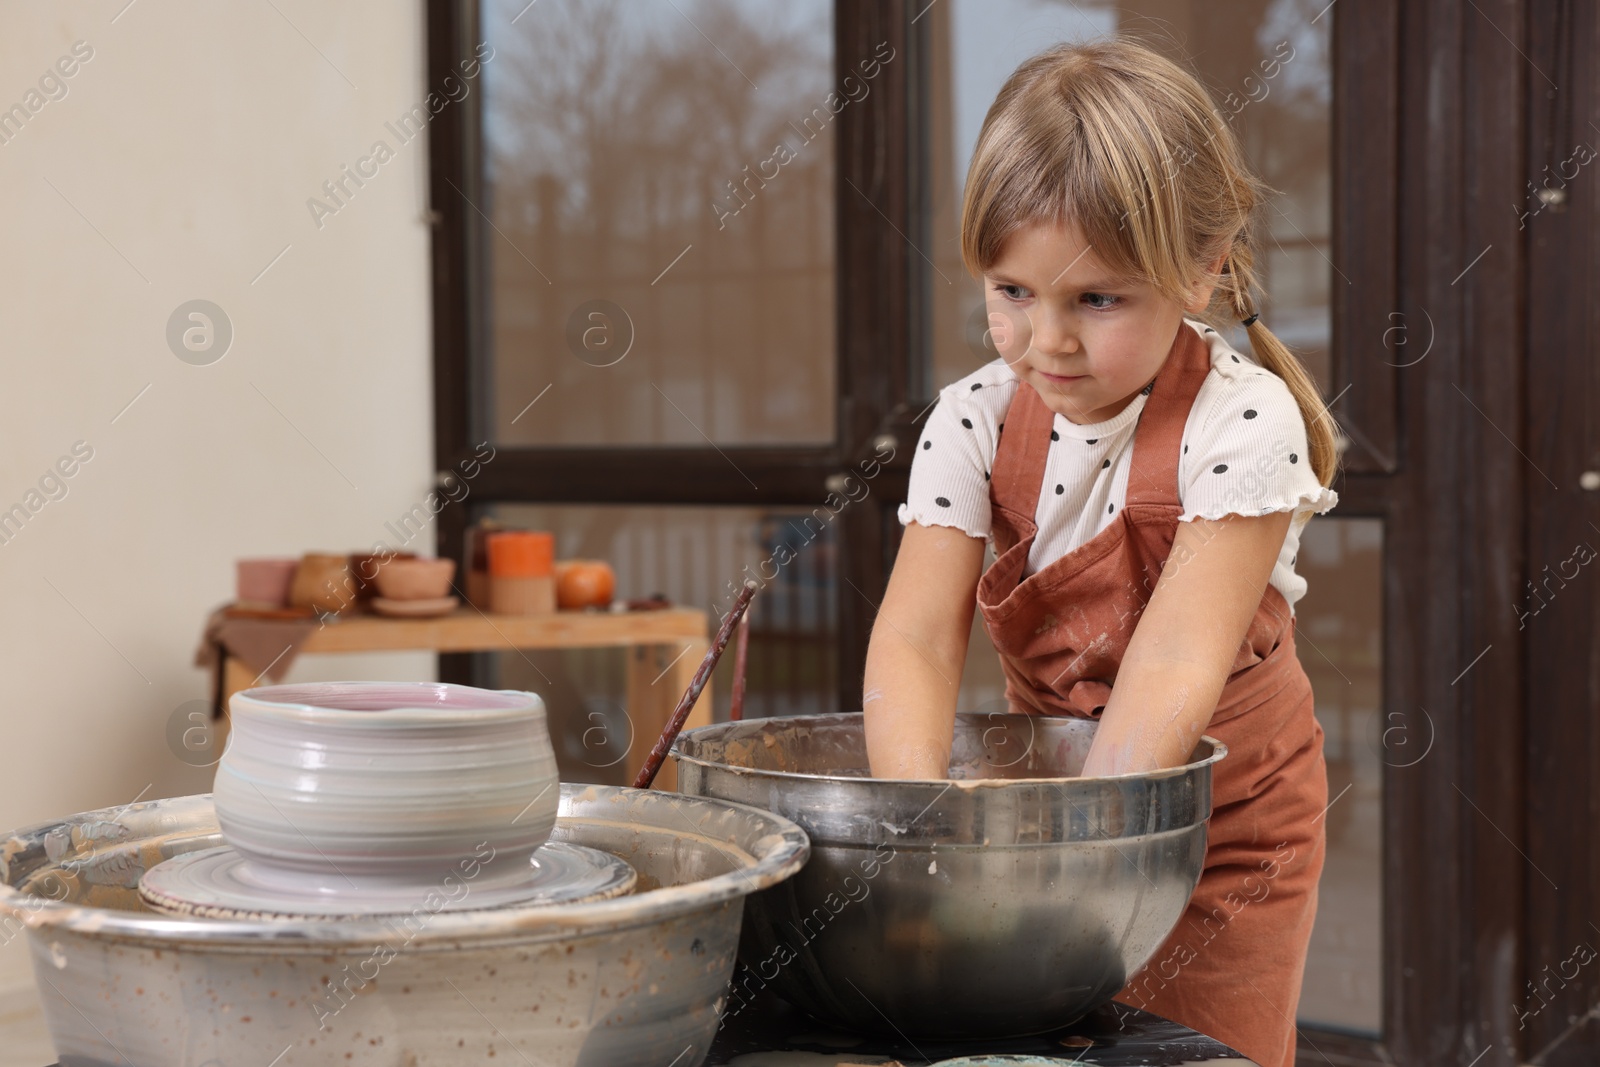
(652, 764)
(741, 653)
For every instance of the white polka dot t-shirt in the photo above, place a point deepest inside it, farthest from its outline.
(1244, 453)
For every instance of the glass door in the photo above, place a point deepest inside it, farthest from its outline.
(658, 222)
(1268, 67)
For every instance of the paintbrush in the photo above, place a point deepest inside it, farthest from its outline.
(652, 764)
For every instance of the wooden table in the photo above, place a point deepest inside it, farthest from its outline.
(664, 650)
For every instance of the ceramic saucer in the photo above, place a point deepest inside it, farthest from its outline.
(421, 609)
(219, 883)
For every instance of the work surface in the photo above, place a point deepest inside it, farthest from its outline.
(771, 1033)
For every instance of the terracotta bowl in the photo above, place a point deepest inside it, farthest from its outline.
(364, 570)
(415, 579)
(384, 784)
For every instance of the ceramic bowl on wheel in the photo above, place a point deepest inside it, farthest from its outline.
(366, 787)
(1012, 899)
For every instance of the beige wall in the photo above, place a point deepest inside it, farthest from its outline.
(188, 146)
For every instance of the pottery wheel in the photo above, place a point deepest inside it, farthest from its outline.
(220, 883)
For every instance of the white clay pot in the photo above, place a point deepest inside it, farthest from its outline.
(385, 784)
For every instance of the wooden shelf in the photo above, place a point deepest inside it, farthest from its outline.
(472, 631)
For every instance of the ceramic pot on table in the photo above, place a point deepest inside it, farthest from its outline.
(323, 583)
(264, 583)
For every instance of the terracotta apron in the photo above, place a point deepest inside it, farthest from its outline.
(1232, 967)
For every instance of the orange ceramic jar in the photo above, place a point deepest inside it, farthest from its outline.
(522, 572)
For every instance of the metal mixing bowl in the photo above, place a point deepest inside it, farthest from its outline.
(1010, 900)
(637, 980)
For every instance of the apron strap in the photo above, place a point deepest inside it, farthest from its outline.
(1019, 458)
(1158, 440)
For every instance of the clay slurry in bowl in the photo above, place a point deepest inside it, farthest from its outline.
(363, 797)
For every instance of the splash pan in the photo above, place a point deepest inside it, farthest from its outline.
(638, 979)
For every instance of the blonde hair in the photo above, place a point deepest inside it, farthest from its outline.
(1128, 146)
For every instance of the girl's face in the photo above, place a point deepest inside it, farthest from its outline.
(1085, 341)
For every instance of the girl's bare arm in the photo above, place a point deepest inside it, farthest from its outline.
(1185, 643)
(917, 652)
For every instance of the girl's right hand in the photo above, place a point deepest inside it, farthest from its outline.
(917, 652)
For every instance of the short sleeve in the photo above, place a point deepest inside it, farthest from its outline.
(1248, 455)
(949, 484)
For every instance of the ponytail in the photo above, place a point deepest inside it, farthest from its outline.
(1322, 432)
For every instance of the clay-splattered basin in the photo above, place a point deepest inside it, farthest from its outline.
(635, 980)
(1011, 900)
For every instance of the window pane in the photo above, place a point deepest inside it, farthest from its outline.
(1284, 123)
(696, 557)
(659, 176)
(1339, 634)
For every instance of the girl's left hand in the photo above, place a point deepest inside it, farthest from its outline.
(1185, 642)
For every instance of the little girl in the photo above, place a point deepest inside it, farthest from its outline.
(1144, 486)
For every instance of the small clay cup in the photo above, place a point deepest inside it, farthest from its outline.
(323, 583)
(522, 596)
(264, 583)
(385, 784)
(415, 579)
